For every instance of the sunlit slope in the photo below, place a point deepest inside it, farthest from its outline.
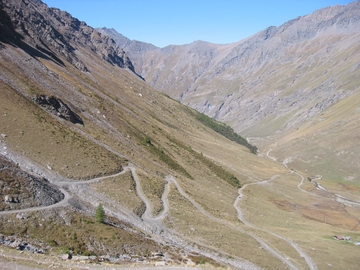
(176, 184)
(270, 83)
(127, 122)
(328, 145)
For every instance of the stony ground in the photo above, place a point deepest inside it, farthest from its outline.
(21, 190)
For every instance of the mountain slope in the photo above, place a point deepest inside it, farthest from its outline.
(271, 84)
(47, 32)
(123, 123)
(168, 183)
(220, 80)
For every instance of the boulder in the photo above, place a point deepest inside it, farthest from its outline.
(7, 199)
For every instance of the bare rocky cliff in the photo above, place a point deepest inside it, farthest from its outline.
(46, 32)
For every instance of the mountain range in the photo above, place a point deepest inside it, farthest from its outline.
(91, 120)
(271, 86)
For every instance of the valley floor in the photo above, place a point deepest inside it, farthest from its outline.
(257, 219)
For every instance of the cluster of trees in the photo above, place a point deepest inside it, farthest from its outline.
(161, 154)
(224, 130)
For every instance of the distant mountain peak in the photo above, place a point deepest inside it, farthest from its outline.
(123, 41)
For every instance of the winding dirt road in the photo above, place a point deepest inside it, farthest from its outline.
(241, 217)
(156, 220)
(67, 195)
(338, 198)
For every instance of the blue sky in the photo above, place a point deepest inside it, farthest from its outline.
(177, 22)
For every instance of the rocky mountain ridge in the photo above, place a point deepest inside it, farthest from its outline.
(50, 31)
(273, 74)
(295, 85)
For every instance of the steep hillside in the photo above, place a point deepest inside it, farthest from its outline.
(270, 85)
(51, 31)
(174, 191)
(228, 82)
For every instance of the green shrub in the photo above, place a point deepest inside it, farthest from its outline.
(217, 169)
(53, 243)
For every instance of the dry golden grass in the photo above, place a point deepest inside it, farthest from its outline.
(120, 111)
(78, 232)
(220, 236)
(310, 220)
(153, 188)
(42, 138)
(121, 190)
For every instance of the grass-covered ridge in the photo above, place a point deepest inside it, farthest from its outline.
(223, 129)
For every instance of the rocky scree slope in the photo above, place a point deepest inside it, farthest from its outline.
(21, 190)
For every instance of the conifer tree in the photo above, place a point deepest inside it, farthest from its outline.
(100, 214)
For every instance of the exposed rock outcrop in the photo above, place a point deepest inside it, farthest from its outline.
(20, 244)
(57, 107)
(7, 29)
(55, 34)
(110, 52)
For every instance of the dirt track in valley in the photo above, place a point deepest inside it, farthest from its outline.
(352, 222)
(156, 221)
(241, 217)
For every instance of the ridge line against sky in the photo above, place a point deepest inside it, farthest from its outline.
(178, 22)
